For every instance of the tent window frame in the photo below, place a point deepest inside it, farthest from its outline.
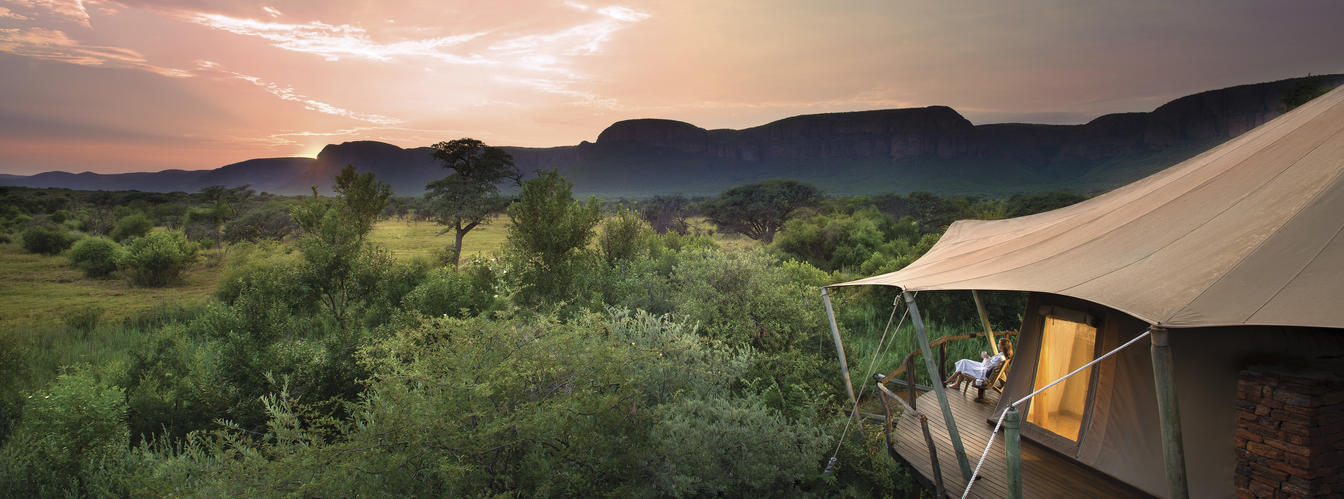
(1073, 313)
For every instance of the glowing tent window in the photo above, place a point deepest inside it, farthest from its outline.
(1065, 346)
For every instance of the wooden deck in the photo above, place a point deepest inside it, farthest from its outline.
(1044, 473)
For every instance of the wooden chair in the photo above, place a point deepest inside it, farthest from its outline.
(995, 379)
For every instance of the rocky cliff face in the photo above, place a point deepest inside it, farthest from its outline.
(939, 132)
(930, 148)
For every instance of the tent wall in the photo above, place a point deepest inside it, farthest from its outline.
(1207, 363)
(1122, 436)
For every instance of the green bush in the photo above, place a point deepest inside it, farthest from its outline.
(69, 433)
(130, 226)
(624, 237)
(450, 292)
(96, 256)
(159, 258)
(47, 240)
(732, 446)
(82, 319)
(745, 298)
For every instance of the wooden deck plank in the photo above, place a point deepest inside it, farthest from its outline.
(1044, 473)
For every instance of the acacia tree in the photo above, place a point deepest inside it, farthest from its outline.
(467, 198)
(665, 213)
(759, 210)
(333, 244)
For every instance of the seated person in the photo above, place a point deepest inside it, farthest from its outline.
(968, 370)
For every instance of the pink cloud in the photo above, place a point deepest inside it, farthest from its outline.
(333, 42)
(289, 94)
(54, 45)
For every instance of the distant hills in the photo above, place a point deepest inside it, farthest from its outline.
(898, 150)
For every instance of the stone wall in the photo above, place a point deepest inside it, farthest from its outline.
(1290, 431)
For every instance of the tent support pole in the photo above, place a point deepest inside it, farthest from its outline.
(1169, 412)
(840, 352)
(984, 319)
(938, 387)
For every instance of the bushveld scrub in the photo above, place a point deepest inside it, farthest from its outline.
(589, 356)
(159, 259)
(96, 256)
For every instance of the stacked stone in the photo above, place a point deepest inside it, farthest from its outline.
(1290, 432)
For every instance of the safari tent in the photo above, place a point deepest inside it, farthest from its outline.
(1234, 260)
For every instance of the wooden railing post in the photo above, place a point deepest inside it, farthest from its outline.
(1012, 443)
(910, 381)
(942, 363)
(938, 387)
(933, 456)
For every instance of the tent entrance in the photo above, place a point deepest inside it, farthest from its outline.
(1068, 340)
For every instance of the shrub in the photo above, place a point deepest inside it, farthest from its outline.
(159, 259)
(96, 256)
(83, 319)
(67, 435)
(623, 237)
(4, 238)
(268, 221)
(698, 444)
(449, 292)
(745, 298)
(130, 226)
(46, 240)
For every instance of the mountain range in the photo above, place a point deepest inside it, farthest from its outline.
(867, 152)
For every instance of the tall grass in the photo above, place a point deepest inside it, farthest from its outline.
(864, 331)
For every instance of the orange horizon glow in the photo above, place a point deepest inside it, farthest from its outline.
(146, 85)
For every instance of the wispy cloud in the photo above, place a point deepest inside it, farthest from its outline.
(54, 45)
(583, 39)
(9, 14)
(272, 11)
(333, 42)
(289, 94)
(70, 10)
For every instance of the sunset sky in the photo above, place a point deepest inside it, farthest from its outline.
(145, 85)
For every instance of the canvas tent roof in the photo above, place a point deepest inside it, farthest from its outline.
(1249, 232)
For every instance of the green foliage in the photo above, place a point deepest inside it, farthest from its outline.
(623, 237)
(1029, 204)
(745, 298)
(667, 213)
(46, 239)
(82, 319)
(337, 262)
(131, 226)
(734, 446)
(158, 259)
(839, 240)
(265, 221)
(174, 386)
(1301, 93)
(14, 365)
(96, 256)
(470, 195)
(455, 293)
(69, 434)
(549, 236)
(759, 210)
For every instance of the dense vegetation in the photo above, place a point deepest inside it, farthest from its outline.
(612, 350)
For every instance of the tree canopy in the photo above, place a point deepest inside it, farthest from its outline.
(468, 197)
(759, 210)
